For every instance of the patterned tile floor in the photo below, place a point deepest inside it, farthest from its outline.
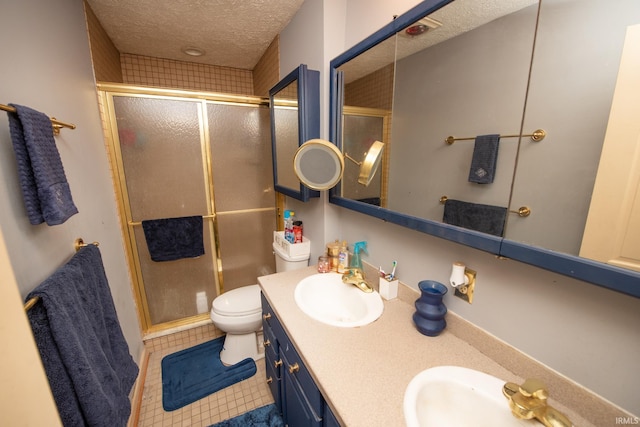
(224, 404)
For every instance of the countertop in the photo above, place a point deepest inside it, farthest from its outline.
(363, 372)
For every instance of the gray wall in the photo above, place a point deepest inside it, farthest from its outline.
(47, 66)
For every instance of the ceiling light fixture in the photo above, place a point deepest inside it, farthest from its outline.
(422, 26)
(193, 51)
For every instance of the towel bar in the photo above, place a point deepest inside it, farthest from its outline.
(79, 243)
(536, 136)
(523, 211)
(57, 124)
(31, 303)
(133, 223)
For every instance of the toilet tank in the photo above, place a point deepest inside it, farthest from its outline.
(286, 262)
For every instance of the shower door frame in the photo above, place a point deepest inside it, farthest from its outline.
(106, 92)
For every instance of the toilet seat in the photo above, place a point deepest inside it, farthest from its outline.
(238, 302)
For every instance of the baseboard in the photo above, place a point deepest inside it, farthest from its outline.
(138, 389)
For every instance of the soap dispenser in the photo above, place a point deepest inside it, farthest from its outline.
(356, 262)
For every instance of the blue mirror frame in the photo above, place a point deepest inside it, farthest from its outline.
(308, 123)
(597, 273)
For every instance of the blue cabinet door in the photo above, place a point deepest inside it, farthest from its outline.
(297, 410)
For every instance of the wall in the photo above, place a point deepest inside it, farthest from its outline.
(105, 56)
(50, 70)
(24, 382)
(586, 333)
(301, 42)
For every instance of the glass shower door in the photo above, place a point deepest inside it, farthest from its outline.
(163, 162)
(244, 196)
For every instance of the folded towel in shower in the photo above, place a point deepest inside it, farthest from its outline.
(84, 353)
(473, 216)
(45, 190)
(485, 157)
(169, 239)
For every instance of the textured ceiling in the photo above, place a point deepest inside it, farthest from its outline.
(233, 33)
(456, 18)
(236, 33)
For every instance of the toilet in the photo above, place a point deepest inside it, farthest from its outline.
(238, 313)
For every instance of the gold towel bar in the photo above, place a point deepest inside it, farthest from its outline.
(536, 136)
(79, 243)
(523, 211)
(57, 124)
(31, 303)
(132, 223)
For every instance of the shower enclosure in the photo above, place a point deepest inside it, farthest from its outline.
(178, 154)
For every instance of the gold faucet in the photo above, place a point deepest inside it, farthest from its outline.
(355, 276)
(529, 400)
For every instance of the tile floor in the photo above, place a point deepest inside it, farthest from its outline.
(227, 403)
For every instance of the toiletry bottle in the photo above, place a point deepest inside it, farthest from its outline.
(297, 231)
(343, 257)
(288, 226)
(356, 262)
(333, 250)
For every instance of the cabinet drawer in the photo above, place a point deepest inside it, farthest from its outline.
(269, 338)
(270, 320)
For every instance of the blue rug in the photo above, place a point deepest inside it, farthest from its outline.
(266, 416)
(197, 372)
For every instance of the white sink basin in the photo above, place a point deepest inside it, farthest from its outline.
(456, 396)
(325, 298)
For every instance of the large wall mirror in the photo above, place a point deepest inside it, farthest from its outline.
(537, 82)
(295, 118)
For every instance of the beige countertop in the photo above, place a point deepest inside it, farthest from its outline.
(363, 372)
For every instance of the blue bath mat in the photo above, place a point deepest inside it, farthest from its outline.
(266, 416)
(197, 372)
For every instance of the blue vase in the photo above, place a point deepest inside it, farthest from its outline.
(430, 310)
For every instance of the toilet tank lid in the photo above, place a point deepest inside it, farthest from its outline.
(238, 302)
(282, 254)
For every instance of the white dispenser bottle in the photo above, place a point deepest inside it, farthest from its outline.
(343, 257)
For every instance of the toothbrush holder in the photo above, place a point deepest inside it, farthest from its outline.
(388, 289)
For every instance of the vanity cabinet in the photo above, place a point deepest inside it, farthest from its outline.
(294, 391)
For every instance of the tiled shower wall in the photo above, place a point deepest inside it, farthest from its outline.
(118, 67)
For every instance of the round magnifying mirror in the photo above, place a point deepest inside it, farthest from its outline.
(371, 162)
(318, 164)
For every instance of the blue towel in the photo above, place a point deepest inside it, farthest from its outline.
(82, 347)
(473, 216)
(174, 238)
(45, 190)
(485, 157)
